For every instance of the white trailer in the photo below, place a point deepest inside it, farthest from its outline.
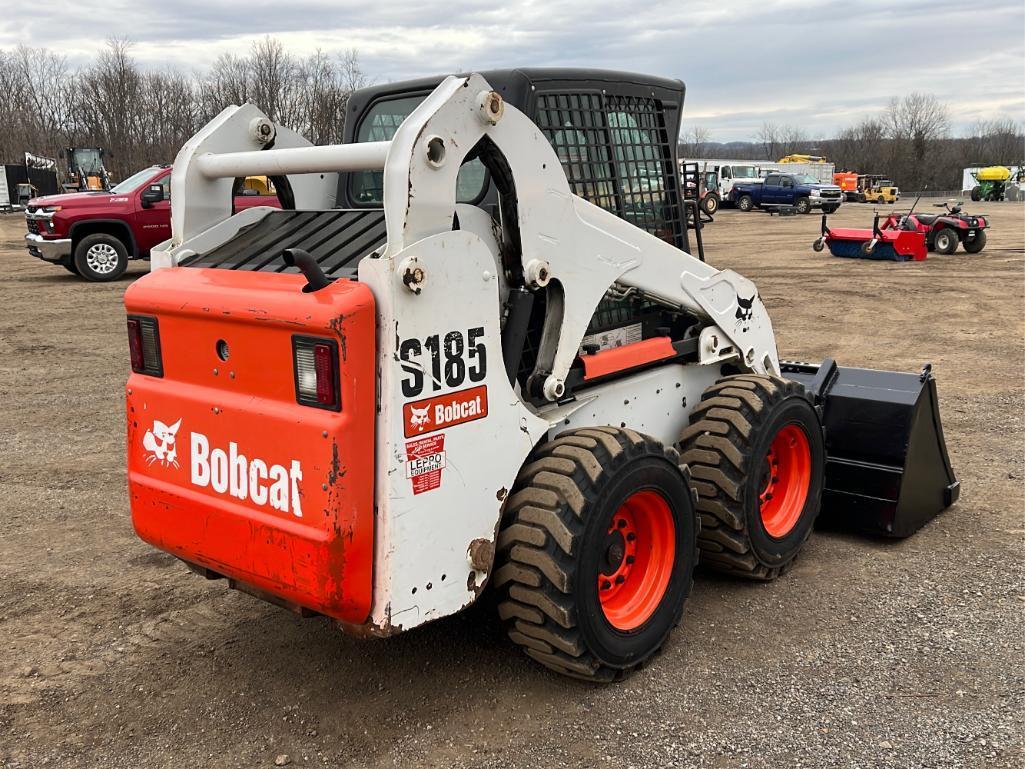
(821, 171)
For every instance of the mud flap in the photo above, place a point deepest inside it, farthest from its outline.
(887, 469)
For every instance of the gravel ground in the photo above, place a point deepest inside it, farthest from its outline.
(868, 653)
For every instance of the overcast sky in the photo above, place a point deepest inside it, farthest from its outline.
(822, 65)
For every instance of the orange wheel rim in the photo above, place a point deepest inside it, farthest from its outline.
(786, 476)
(637, 560)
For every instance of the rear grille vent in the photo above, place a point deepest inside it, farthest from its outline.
(337, 239)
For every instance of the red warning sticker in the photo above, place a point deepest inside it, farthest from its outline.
(425, 459)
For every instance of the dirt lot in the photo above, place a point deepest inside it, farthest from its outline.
(869, 653)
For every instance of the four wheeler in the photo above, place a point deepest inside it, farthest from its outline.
(494, 366)
(943, 232)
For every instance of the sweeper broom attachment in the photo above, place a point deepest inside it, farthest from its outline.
(887, 242)
(887, 469)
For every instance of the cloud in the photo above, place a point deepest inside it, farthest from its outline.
(821, 66)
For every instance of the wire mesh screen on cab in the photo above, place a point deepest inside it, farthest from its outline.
(616, 153)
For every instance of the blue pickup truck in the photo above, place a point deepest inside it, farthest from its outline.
(801, 191)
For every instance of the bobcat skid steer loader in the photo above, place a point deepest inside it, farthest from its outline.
(472, 352)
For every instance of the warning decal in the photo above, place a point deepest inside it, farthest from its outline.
(425, 459)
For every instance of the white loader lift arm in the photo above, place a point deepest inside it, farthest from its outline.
(563, 237)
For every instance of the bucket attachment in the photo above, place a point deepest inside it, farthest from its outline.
(887, 469)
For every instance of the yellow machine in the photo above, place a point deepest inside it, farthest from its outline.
(992, 183)
(875, 188)
(803, 159)
(260, 185)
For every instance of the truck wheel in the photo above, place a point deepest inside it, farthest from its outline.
(976, 244)
(880, 200)
(597, 552)
(755, 451)
(745, 203)
(976, 193)
(710, 204)
(945, 241)
(101, 257)
(803, 205)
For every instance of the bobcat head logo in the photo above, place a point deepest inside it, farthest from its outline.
(745, 310)
(159, 442)
(419, 417)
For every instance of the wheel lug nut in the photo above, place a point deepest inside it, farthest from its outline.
(631, 537)
(629, 559)
(605, 585)
(621, 523)
(620, 580)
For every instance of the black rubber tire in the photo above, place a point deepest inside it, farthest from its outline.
(803, 206)
(70, 266)
(945, 241)
(724, 447)
(710, 204)
(976, 193)
(830, 209)
(976, 244)
(100, 239)
(880, 201)
(745, 203)
(551, 543)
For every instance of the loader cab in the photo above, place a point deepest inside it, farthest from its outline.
(615, 134)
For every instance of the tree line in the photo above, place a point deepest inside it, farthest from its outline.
(143, 117)
(909, 142)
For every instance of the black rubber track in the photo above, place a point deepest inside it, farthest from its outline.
(540, 542)
(718, 449)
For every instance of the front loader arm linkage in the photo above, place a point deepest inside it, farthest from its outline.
(576, 249)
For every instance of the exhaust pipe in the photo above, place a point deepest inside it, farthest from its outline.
(315, 277)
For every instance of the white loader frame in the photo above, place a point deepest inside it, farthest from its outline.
(430, 278)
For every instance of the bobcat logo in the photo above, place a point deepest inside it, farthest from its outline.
(419, 418)
(159, 442)
(745, 311)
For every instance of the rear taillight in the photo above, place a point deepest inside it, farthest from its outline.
(144, 345)
(316, 372)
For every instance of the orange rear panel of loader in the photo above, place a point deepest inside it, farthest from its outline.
(225, 468)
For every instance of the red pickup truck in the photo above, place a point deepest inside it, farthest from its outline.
(94, 234)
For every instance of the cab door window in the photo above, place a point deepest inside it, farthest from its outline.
(379, 124)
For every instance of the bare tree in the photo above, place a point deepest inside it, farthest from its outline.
(917, 118)
(693, 141)
(769, 138)
(791, 140)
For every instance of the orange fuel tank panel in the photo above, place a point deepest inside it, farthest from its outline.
(233, 462)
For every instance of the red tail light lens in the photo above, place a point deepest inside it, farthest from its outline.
(316, 372)
(135, 344)
(144, 345)
(323, 360)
